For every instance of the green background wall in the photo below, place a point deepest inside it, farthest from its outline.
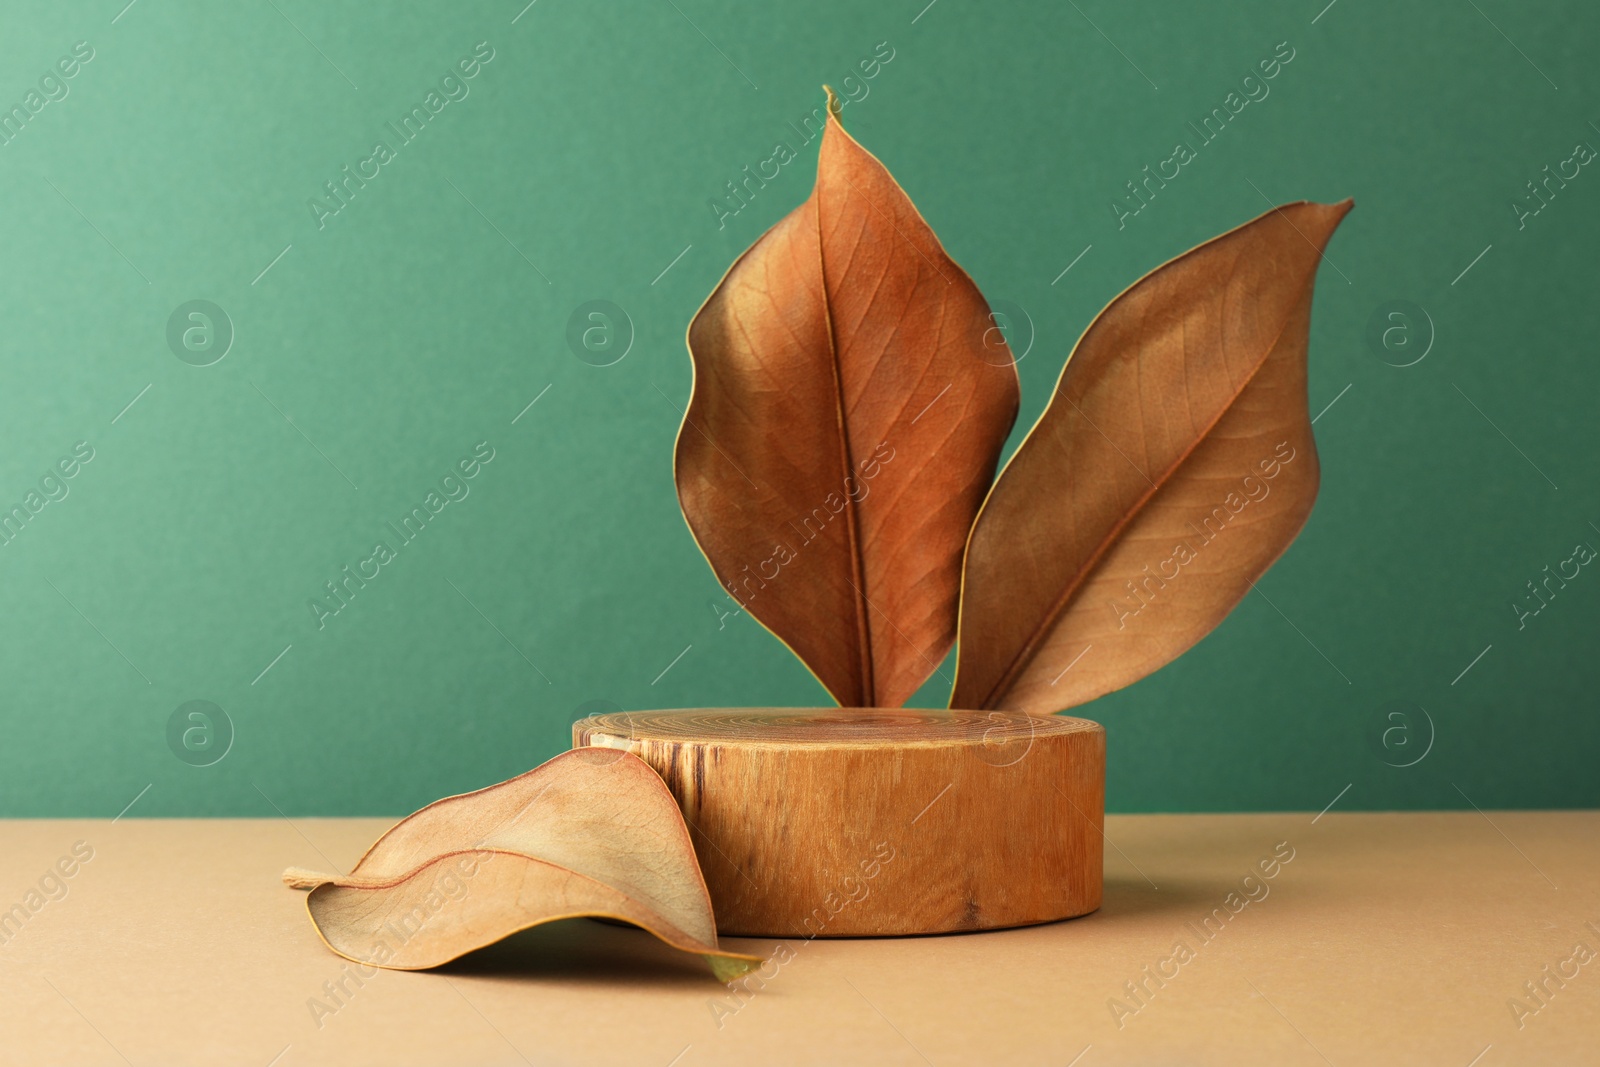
(426, 314)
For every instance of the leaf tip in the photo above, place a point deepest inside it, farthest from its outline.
(1333, 216)
(731, 968)
(834, 107)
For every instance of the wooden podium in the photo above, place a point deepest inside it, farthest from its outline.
(846, 822)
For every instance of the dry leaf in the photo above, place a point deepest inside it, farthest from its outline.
(593, 832)
(851, 397)
(1173, 465)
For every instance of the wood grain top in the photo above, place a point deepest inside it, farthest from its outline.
(840, 727)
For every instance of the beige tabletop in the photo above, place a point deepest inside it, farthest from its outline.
(1452, 939)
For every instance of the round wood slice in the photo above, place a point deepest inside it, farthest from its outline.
(846, 822)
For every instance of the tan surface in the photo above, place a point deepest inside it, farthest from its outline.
(1387, 939)
(909, 821)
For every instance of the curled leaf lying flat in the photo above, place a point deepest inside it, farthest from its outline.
(851, 396)
(593, 832)
(1172, 466)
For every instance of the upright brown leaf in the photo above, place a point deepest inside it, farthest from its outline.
(591, 832)
(851, 397)
(1173, 465)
